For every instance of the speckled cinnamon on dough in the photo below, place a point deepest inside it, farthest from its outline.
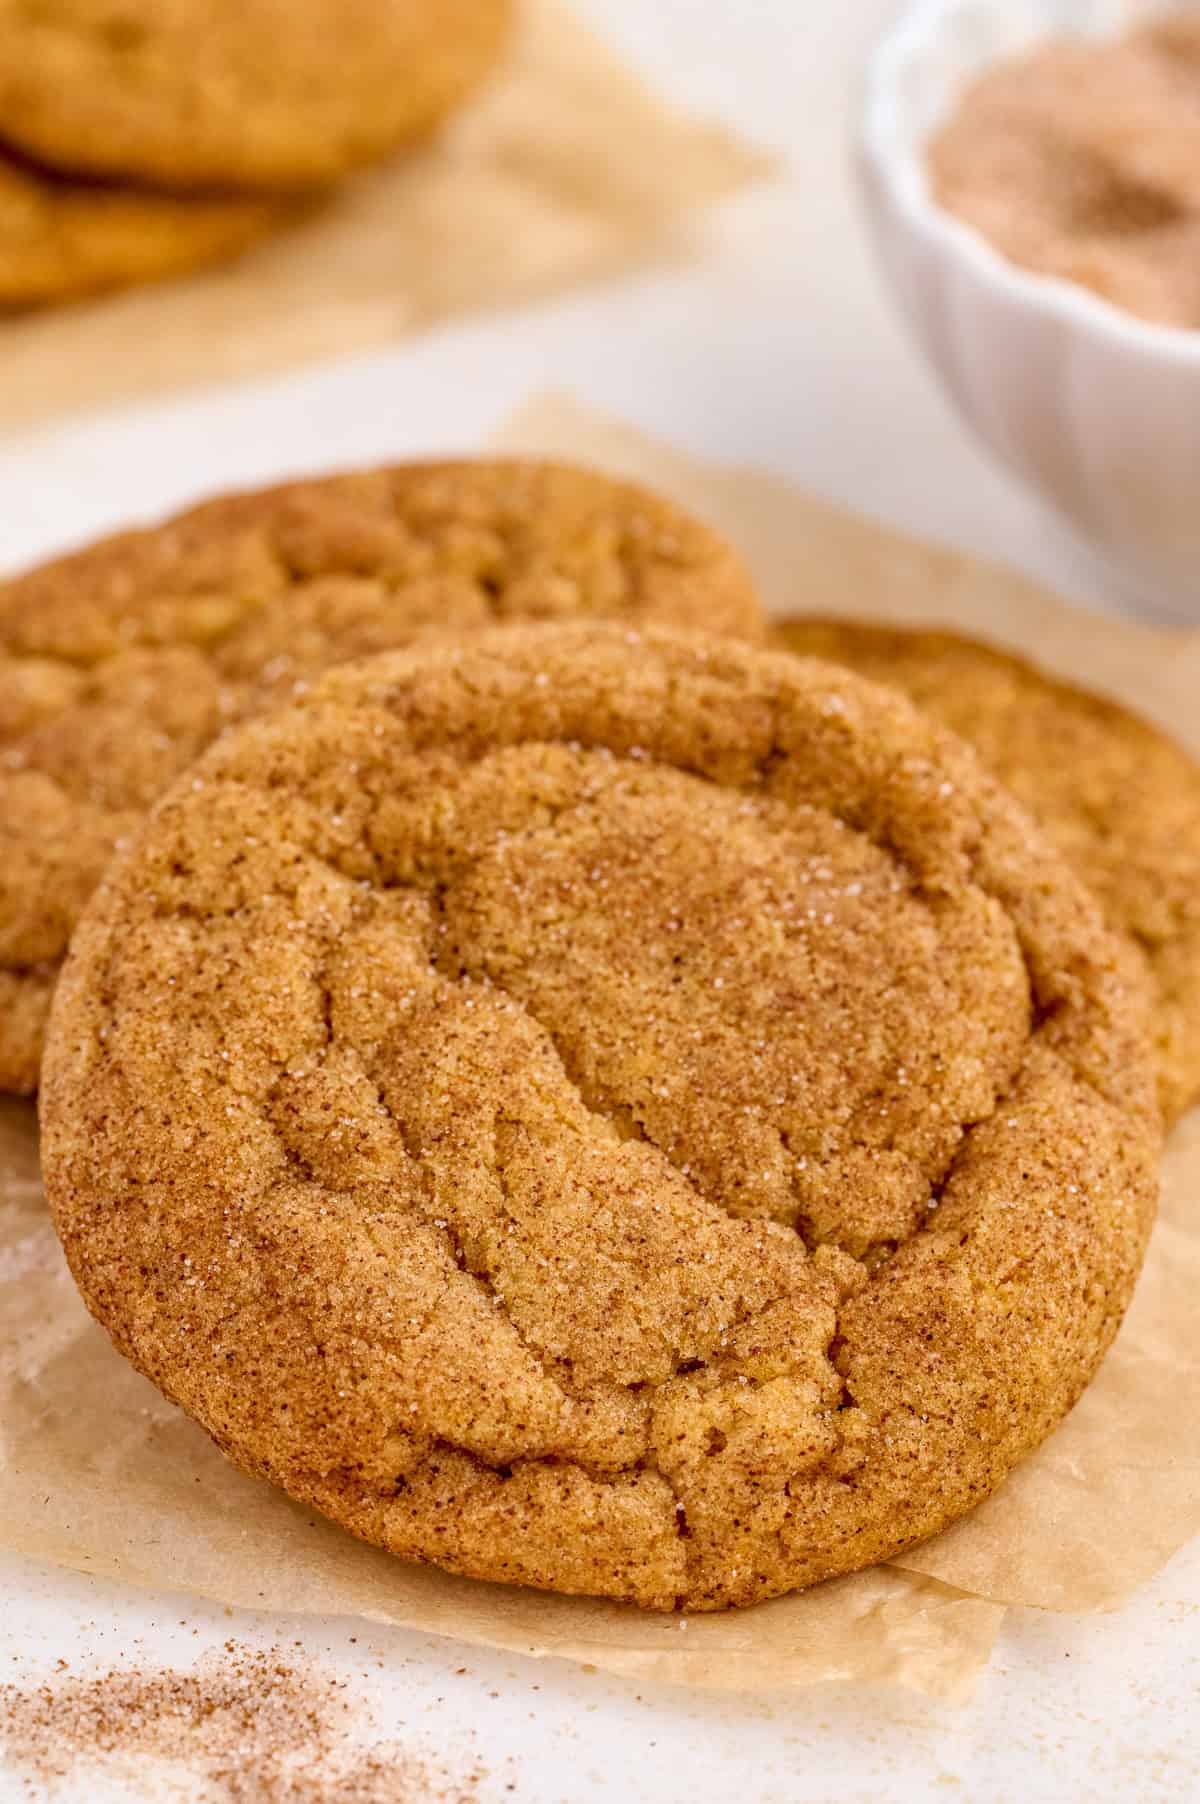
(120, 663)
(236, 93)
(622, 1113)
(1119, 798)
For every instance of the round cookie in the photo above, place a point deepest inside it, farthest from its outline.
(1116, 796)
(120, 663)
(61, 239)
(236, 93)
(623, 1113)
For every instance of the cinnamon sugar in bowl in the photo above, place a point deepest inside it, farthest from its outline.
(1031, 172)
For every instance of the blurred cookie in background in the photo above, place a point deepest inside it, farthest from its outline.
(236, 93)
(61, 239)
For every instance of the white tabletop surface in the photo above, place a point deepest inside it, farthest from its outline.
(778, 348)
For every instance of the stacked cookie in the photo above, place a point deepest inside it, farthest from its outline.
(151, 136)
(575, 1094)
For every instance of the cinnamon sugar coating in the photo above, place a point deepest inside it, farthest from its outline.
(1077, 159)
(618, 1112)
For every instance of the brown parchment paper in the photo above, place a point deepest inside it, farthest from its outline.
(564, 169)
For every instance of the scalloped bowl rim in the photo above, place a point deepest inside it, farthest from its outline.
(897, 163)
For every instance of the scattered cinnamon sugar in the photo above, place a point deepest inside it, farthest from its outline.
(247, 1726)
(1082, 160)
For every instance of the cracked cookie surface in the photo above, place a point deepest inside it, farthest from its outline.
(61, 239)
(236, 93)
(1119, 798)
(120, 663)
(618, 1112)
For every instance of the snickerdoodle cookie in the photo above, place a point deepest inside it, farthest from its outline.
(1116, 796)
(120, 663)
(629, 1114)
(60, 239)
(235, 93)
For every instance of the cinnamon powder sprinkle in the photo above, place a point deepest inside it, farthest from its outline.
(244, 1726)
(1081, 159)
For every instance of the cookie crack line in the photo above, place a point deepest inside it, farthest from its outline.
(486, 1280)
(443, 1224)
(612, 1113)
(740, 1317)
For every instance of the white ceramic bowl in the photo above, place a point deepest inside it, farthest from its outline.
(1099, 411)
